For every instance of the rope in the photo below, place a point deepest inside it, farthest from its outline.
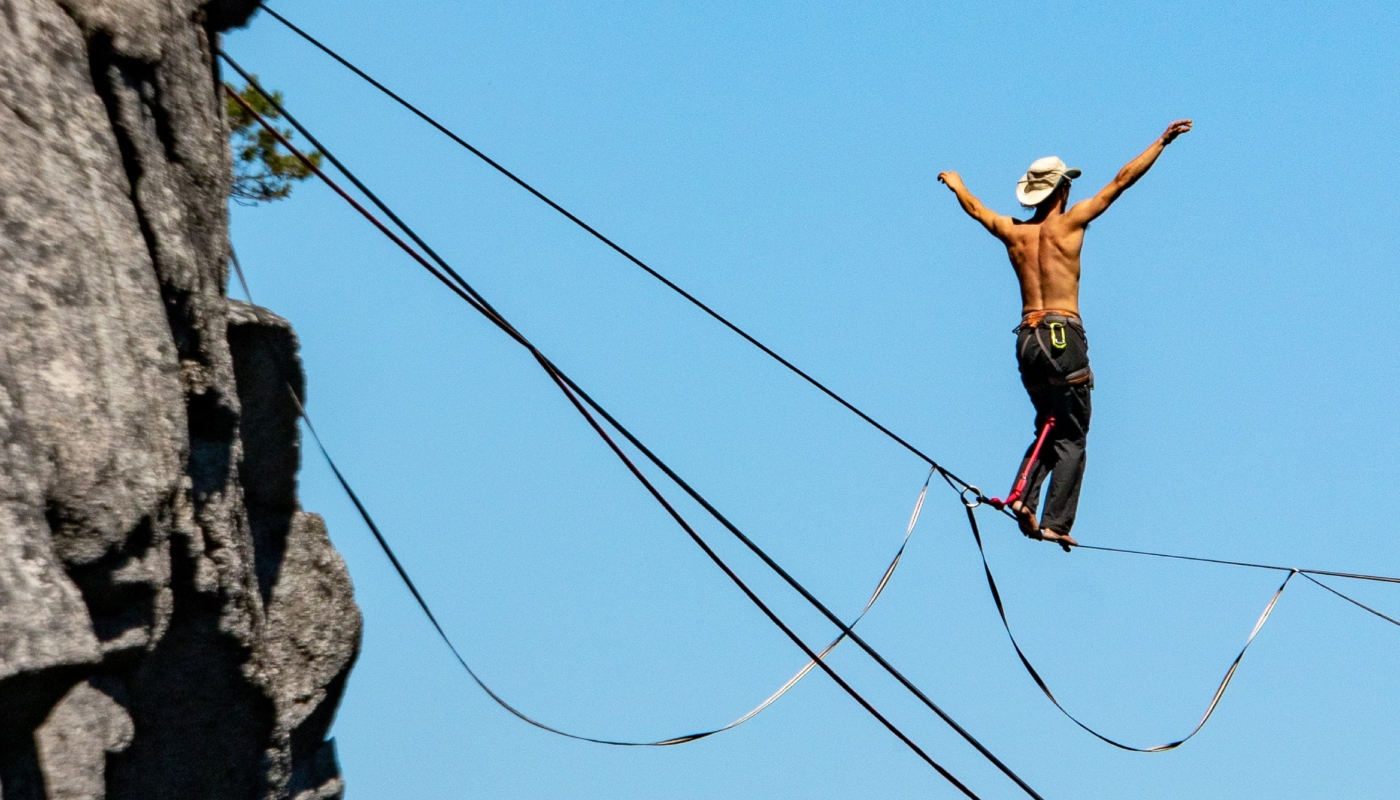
(848, 405)
(565, 386)
(970, 507)
(464, 290)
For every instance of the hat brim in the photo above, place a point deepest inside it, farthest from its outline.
(1035, 197)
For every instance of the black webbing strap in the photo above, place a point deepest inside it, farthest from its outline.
(464, 290)
(970, 507)
(573, 395)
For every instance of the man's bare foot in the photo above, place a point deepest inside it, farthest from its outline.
(1025, 518)
(1062, 539)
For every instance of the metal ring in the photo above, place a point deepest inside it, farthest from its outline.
(977, 500)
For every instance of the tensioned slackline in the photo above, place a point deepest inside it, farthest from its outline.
(581, 403)
(947, 474)
(473, 298)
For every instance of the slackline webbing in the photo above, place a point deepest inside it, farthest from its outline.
(575, 399)
(238, 270)
(464, 290)
(751, 339)
(1355, 576)
(971, 508)
(991, 583)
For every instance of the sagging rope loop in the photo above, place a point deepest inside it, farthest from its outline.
(1044, 686)
(772, 698)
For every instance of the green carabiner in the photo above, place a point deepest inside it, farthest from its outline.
(1057, 335)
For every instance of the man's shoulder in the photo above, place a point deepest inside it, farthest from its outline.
(1068, 224)
(1023, 229)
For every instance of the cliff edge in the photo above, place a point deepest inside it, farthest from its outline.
(172, 624)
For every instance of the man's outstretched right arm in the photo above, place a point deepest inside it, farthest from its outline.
(1087, 211)
(998, 225)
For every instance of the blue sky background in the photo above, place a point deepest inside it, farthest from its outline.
(778, 160)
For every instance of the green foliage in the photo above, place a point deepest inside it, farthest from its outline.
(261, 171)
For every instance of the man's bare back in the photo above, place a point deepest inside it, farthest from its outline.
(1045, 256)
(1044, 250)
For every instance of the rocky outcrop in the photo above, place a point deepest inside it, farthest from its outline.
(172, 625)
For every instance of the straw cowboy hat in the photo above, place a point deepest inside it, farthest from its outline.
(1041, 179)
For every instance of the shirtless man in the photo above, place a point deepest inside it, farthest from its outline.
(1051, 348)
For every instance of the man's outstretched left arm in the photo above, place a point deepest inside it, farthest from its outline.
(1087, 211)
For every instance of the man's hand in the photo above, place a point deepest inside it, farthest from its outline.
(1175, 129)
(951, 179)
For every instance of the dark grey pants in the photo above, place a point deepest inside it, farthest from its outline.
(1054, 361)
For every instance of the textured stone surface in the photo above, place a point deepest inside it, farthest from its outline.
(172, 625)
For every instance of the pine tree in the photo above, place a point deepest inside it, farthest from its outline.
(262, 172)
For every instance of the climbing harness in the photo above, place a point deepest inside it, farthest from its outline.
(1036, 321)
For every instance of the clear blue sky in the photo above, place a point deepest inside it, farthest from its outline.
(778, 159)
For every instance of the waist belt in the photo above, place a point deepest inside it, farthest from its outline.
(1034, 319)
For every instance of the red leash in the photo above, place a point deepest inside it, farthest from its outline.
(1021, 480)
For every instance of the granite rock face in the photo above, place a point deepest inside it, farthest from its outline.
(172, 624)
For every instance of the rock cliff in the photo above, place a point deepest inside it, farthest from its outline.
(172, 625)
